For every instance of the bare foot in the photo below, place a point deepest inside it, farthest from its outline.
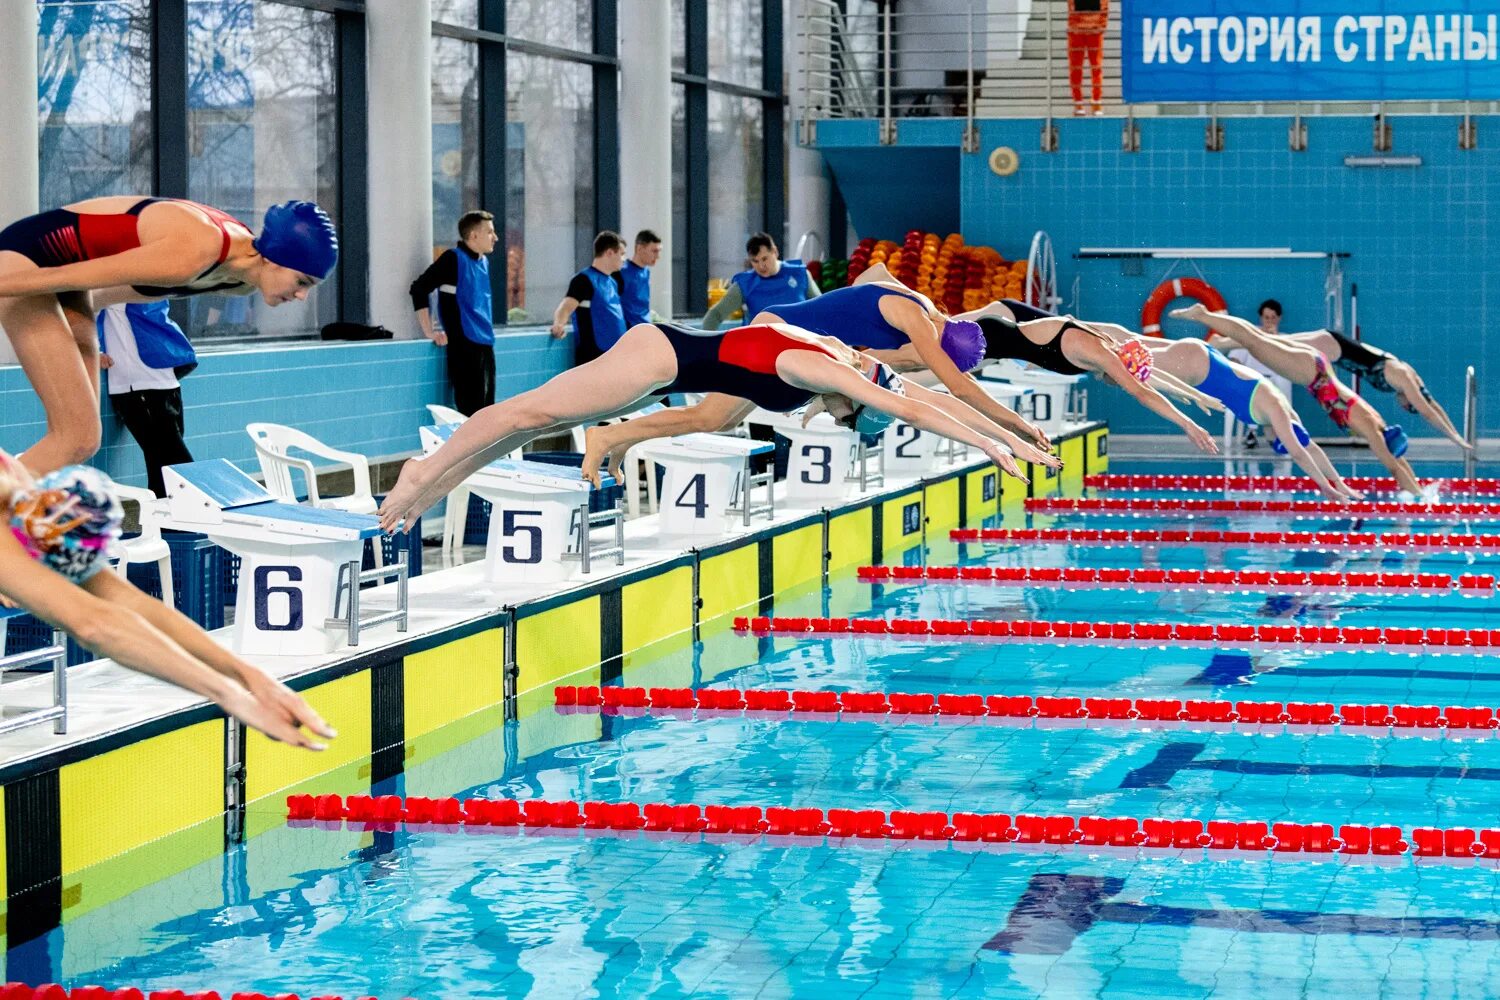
(405, 500)
(595, 452)
(1194, 312)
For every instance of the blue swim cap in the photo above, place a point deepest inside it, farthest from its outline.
(299, 235)
(870, 422)
(1396, 440)
(1303, 438)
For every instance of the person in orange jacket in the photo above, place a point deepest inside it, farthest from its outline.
(1087, 22)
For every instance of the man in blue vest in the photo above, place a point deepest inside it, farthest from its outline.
(634, 278)
(593, 302)
(770, 282)
(144, 353)
(461, 278)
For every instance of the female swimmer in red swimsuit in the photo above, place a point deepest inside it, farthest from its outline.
(57, 267)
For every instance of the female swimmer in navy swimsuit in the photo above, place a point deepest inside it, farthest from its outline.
(774, 366)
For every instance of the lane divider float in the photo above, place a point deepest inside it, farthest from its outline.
(1273, 484)
(1281, 581)
(1323, 541)
(1406, 640)
(1317, 841)
(1144, 713)
(1278, 508)
(54, 991)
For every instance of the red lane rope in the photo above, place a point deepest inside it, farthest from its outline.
(1272, 484)
(813, 825)
(1125, 712)
(1410, 640)
(1286, 581)
(53, 991)
(1281, 508)
(1321, 540)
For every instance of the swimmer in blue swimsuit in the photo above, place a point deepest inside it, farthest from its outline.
(883, 318)
(1253, 401)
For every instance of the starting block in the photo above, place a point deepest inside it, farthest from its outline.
(707, 477)
(299, 563)
(55, 656)
(541, 527)
(824, 458)
(1047, 398)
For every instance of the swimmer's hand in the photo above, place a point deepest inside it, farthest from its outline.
(1038, 435)
(1201, 438)
(1028, 453)
(1001, 456)
(559, 331)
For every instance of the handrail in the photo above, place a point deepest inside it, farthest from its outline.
(1471, 421)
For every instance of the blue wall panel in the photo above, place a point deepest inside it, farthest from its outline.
(1418, 236)
(362, 397)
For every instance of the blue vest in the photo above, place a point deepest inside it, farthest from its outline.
(475, 308)
(788, 285)
(635, 300)
(158, 339)
(605, 312)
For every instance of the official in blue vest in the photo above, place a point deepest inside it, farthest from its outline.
(770, 282)
(634, 278)
(461, 278)
(144, 353)
(593, 302)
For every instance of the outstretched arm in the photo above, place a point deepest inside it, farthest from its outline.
(121, 633)
(1281, 424)
(912, 320)
(822, 374)
(1106, 362)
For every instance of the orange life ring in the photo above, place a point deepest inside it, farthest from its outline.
(1176, 288)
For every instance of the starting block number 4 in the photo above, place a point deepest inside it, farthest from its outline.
(695, 493)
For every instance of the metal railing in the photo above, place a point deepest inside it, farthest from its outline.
(982, 59)
(1471, 421)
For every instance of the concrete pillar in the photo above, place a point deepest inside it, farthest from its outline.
(807, 177)
(400, 94)
(19, 153)
(646, 134)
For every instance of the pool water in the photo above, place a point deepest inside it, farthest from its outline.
(489, 914)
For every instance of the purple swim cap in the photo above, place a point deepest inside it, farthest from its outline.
(963, 341)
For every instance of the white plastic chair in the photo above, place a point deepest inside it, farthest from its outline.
(273, 444)
(148, 546)
(445, 415)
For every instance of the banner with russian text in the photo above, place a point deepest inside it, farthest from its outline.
(1310, 50)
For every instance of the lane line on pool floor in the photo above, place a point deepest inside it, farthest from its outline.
(1216, 580)
(1325, 638)
(787, 825)
(1259, 717)
(1321, 541)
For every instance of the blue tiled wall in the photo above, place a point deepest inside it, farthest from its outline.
(363, 397)
(1418, 236)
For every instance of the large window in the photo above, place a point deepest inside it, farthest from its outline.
(728, 165)
(564, 24)
(94, 99)
(262, 119)
(455, 135)
(549, 219)
(736, 189)
(736, 35)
